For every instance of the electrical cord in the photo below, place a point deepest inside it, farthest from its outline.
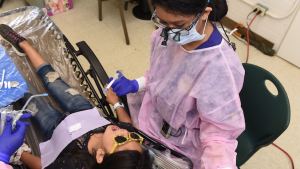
(246, 62)
(285, 153)
(248, 24)
(248, 40)
(177, 133)
(274, 16)
(287, 14)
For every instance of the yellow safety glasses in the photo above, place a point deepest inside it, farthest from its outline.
(120, 140)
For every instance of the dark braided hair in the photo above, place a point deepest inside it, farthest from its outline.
(193, 7)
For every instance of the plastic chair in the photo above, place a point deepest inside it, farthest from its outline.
(121, 5)
(267, 116)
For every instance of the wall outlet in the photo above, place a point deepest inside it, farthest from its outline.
(262, 8)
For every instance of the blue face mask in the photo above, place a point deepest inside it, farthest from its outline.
(182, 39)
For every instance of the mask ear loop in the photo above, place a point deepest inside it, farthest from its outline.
(205, 25)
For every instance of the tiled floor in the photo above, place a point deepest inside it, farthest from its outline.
(107, 40)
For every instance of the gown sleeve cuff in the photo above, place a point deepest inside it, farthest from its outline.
(142, 82)
(4, 158)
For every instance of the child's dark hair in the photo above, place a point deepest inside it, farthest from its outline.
(77, 155)
(128, 159)
(193, 7)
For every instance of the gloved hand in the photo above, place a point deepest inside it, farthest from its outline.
(9, 142)
(124, 86)
(24, 116)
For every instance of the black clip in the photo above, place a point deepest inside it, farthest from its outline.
(165, 34)
(233, 45)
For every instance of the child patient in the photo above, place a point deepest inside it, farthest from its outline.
(110, 146)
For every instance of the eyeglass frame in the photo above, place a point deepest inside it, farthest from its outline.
(162, 26)
(128, 139)
(193, 23)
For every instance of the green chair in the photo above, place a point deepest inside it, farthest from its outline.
(267, 116)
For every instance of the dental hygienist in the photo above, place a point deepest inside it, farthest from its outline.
(192, 86)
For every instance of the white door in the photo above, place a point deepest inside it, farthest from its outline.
(290, 47)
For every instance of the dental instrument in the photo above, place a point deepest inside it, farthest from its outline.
(118, 75)
(14, 84)
(3, 121)
(17, 117)
(37, 95)
(9, 84)
(1, 83)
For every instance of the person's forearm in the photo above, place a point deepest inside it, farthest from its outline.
(123, 116)
(31, 161)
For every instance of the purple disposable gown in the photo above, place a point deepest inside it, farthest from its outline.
(5, 166)
(197, 91)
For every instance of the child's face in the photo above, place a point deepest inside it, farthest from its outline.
(108, 143)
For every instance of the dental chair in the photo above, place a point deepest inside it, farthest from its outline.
(50, 42)
(267, 116)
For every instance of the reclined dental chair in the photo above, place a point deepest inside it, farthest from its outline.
(49, 41)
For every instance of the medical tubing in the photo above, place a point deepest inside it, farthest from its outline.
(18, 111)
(37, 95)
(248, 40)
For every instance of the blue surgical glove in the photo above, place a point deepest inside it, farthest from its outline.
(124, 86)
(9, 143)
(24, 116)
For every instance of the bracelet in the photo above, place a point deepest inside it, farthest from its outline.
(118, 105)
